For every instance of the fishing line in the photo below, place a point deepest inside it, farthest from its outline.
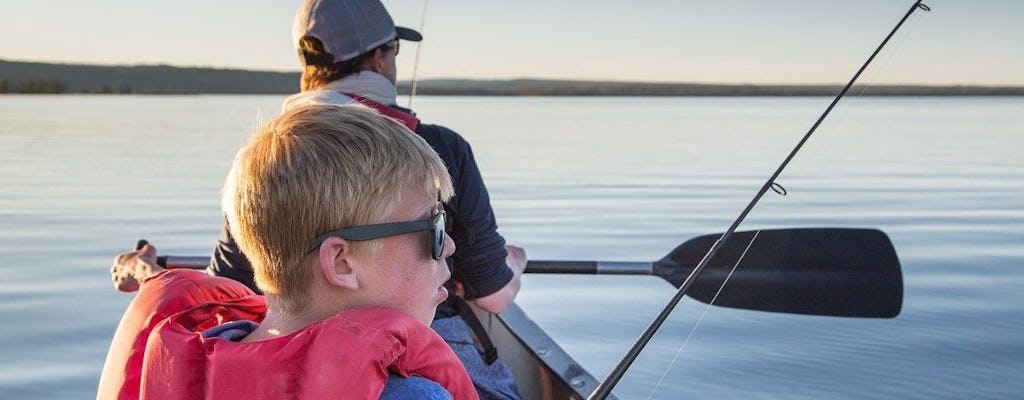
(605, 388)
(416, 60)
(702, 315)
(886, 61)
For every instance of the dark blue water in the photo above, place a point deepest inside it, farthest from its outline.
(81, 178)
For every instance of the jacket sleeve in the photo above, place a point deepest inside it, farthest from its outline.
(479, 259)
(228, 260)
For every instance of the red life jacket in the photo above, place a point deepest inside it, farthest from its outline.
(347, 356)
(159, 297)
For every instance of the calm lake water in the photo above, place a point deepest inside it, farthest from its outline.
(83, 177)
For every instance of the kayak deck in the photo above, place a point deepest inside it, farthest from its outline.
(543, 370)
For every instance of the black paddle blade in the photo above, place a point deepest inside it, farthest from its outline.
(816, 271)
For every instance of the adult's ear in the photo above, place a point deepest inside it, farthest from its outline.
(336, 260)
(375, 62)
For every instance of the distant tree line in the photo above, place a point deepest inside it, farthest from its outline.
(48, 86)
(56, 86)
(142, 79)
(29, 77)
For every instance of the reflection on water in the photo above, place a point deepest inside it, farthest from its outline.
(82, 177)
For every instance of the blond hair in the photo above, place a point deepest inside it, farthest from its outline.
(315, 169)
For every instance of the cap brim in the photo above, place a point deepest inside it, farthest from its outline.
(408, 34)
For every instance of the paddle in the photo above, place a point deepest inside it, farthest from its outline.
(817, 271)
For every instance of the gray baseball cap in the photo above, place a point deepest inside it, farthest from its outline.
(347, 28)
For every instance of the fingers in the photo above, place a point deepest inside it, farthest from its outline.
(513, 249)
(132, 267)
(516, 258)
(148, 253)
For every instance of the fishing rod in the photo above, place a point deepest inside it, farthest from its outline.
(416, 61)
(605, 388)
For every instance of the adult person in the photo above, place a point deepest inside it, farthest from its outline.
(347, 49)
(338, 209)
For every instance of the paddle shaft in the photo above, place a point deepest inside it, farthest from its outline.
(532, 267)
(590, 267)
(189, 262)
(605, 388)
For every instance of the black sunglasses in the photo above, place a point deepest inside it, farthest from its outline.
(435, 224)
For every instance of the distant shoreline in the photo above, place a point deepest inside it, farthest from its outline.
(45, 78)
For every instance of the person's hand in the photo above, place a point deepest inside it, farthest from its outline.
(133, 267)
(516, 258)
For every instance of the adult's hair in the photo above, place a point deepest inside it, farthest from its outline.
(320, 70)
(315, 169)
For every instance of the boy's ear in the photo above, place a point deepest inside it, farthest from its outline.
(336, 263)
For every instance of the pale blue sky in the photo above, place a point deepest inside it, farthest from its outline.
(725, 41)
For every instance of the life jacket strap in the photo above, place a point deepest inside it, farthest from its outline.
(466, 312)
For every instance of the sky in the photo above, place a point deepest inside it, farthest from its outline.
(978, 42)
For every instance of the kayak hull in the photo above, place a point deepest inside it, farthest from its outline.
(543, 370)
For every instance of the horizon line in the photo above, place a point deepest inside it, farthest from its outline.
(500, 79)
